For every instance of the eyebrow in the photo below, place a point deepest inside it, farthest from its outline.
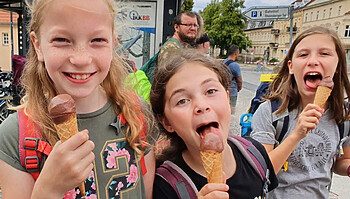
(182, 89)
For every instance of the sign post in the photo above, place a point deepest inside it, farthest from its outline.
(267, 13)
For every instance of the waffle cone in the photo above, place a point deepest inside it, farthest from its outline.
(68, 128)
(65, 131)
(212, 163)
(322, 94)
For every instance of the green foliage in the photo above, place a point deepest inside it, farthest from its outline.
(274, 60)
(257, 59)
(224, 23)
(187, 5)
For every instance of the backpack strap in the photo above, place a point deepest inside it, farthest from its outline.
(178, 179)
(230, 61)
(31, 147)
(280, 121)
(254, 157)
(344, 129)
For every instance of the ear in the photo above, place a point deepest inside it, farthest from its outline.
(35, 41)
(228, 96)
(290, 66)
(176, 27)
(166, 124)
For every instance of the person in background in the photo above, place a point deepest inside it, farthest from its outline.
(203, 44)
(236, 86)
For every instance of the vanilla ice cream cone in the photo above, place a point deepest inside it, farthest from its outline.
(212, 163)
(321, 96)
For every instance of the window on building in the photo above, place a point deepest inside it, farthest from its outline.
(339, 11)
(347, 31)
(330, 12)
(337, 29)
(324, 13)
(317, 13)
(5, 39)
(311, 16)
(305, 17)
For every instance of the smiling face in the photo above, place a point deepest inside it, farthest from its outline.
(198, 101)
(314, 58)
(75, 44)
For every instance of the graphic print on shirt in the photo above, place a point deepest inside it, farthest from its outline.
(122, 166)
(317, 150)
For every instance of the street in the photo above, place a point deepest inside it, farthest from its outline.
(251, 79)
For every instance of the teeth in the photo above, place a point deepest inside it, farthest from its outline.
(80, 77)
(312, 74)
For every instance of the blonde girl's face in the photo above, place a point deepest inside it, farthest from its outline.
(314, 58)
(192, 101)
(75, 44)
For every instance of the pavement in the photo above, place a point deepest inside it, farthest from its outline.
(340, 188)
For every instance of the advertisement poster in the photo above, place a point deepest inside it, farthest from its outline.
(136, 37)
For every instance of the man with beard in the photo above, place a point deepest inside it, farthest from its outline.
(186, 31)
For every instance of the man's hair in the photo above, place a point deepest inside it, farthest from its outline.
(232, 50)
(177, 19)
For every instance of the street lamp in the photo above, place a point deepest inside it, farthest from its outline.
(245, 56)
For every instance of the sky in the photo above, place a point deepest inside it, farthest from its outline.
(201, 4)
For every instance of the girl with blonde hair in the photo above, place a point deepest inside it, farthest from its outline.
(71, 52)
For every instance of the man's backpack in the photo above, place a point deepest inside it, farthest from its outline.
(186, 189)
(150, 65)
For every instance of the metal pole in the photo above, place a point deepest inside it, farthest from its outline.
(291, 26)
(11, 19)
(245, 57)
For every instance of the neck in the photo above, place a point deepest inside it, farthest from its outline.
(232, 57)
(91, 103)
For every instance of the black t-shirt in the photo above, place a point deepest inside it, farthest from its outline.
(244, 184)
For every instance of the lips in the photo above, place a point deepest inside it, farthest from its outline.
(312, 79)
(205, 126)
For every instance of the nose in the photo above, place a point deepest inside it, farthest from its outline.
(202, 107)
(313, 60)
(80, 56)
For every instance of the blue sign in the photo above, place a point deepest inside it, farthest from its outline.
(254, 13)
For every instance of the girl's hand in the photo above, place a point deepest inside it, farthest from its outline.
(67, 166)
(308, 120)
(214, 190)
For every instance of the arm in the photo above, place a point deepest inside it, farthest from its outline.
(239, 83)
(11, 179)
(148, 178)
(342, 164)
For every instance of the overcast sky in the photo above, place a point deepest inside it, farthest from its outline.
(201, 4)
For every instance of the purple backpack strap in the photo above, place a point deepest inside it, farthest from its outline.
(252, 154)
(178, 179)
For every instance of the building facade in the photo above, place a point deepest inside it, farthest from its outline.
(333, 14)
(5, 39)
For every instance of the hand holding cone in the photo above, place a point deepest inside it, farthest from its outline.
(63, 113)
(211, 148)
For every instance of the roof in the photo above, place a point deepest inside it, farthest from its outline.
(5, 17)
(11, 5)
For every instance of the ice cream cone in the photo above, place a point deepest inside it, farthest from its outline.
(322, 94)
(68, 128)
(212, 163)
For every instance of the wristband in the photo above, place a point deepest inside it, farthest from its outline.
(349, 171)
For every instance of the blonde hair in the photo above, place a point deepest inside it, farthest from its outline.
(39, 88)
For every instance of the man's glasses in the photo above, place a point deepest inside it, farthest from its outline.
(189, 25)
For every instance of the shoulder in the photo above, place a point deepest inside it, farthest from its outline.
(161, 188)
(9, 141)
(171, 43)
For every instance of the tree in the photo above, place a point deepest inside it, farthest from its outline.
(224, 22)
(187, 5)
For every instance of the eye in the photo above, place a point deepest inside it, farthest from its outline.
(211, 91)
(60, 40)
(181, 101)
(324, 53)
(99, 40)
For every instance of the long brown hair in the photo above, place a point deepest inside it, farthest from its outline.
(157, 97)
(284, 86)
(39, 88)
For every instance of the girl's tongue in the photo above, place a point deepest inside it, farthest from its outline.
(211, 140)
(312, 83)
